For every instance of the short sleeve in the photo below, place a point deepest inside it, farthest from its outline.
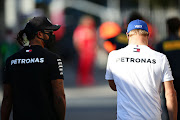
(56, 68)
(167, 73)
(109, 75)
(7, 73)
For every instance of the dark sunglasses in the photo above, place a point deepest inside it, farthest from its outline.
(48, 32)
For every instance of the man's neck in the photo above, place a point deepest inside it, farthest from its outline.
(36, 42)
(138, 40)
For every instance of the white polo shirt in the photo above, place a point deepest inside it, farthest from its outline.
(138, 73)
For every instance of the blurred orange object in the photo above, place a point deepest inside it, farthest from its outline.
(108, 46)
(109, 30)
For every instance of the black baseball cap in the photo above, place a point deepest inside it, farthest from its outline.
(41, 23)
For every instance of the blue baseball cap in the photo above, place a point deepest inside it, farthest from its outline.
(137, 24)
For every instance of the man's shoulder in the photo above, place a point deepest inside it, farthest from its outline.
(157, 55)
(155, 52)
(114, 52)
(120, 50)
(51, 57)
(50, 54)
(15, 55)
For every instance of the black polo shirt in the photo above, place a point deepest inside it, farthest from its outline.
(30, 72)
(171, 48)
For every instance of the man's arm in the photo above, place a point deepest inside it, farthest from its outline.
(6, 102)
(171, 100)
(59, 98)
(112, 85)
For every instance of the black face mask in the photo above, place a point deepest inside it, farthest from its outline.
(49, 44)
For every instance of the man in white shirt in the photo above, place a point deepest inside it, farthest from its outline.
(137, 73)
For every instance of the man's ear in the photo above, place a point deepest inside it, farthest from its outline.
(148, 36)
(39, 34)
(127, 35)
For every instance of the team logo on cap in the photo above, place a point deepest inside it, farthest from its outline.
(138, 26)
(49, 20)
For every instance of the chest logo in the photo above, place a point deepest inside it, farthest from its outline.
(27, 61)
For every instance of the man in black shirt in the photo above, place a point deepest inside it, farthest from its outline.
(170, 46)
(33, 77)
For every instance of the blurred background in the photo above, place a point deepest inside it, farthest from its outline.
(90, 29)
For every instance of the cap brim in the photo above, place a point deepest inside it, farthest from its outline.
(53, 27)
